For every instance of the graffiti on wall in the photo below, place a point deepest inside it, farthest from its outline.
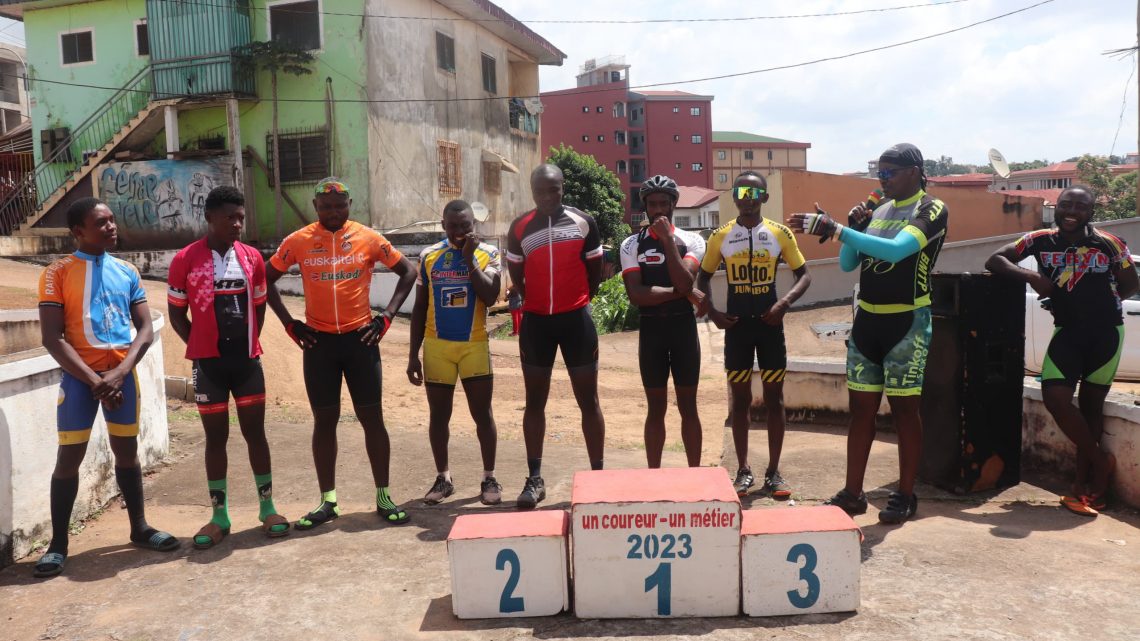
(165, 196)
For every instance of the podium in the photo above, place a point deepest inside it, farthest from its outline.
(655, 543)
(509, 564)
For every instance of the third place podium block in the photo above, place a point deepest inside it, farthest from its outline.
(509, 564)
(799, 561)
(655, 543)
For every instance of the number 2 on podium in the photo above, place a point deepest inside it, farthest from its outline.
(507, 602)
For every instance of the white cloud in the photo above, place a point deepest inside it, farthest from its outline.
(1035, 85)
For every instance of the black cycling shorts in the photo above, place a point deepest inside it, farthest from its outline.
(752, 336)
(231, 372)
(342, 355)
(669, 344)
(1088, 354)
(541, 336)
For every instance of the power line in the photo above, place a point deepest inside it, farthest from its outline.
(1123, 103)
(586, 91)
(376, 16)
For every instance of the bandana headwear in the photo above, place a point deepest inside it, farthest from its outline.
(903, 154)
(331, 187)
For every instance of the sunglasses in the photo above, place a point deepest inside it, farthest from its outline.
(749, 193)
(887, 174)
(331, 187)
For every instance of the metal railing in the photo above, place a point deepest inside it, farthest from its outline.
(521, 119)
(72, 153)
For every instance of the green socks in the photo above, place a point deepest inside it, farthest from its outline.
(329, 497)
(221, 502)
(383, 500)
(265, 501)
(387, 507)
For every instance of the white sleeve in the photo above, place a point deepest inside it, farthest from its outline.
(628, 254)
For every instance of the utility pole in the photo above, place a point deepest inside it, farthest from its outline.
(1137, 53)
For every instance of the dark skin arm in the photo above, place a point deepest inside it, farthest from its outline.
(593, 275)
(486, 286)
(1003, 263)
(419, 322)
(719, 318)
(374, 332)
(144, 336)
(1127, 284)
(180, 321)
(303, 333)
(518, 277)
(775, 313)
(51, 334)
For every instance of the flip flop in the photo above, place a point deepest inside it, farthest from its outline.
(50, 564)
(157, 541)
(1096, 501)
(275, 521)
(1077, 505)
(210, 535)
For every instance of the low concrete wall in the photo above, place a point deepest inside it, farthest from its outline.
(1044, 443)
(29, 384)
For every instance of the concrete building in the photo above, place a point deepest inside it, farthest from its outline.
(411, 112)
(697, 208)
(1058, 175)
(635, 134)
(736, 151)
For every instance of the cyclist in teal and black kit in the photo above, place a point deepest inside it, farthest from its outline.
(894, 248)
(1085, 273)
(658, 266)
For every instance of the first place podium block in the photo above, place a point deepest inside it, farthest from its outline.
(509, 564)
(799, 561)
(655, 543)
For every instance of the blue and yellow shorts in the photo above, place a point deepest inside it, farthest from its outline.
(75, 410)
(446, 361)
(888, 352)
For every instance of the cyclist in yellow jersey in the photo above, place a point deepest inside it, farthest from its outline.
(751, 247)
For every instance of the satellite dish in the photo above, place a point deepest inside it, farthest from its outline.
(997, 161)
(533, 106)
(480, 210)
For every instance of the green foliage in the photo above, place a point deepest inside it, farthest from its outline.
(611, 308)
(1116, 195)
(1031, 164)
(274, 57)
(945, 166)
(593, 189)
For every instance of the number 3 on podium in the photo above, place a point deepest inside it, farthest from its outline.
(807, 575)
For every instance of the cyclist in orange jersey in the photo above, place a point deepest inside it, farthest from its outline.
(340, 337)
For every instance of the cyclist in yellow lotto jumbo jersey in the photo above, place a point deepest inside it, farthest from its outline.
(751, 247)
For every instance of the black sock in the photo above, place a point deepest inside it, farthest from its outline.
(63, 493)
(596, 465)
(534, 466)
(130, 484)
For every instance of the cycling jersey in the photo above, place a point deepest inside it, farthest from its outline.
(220, 292)
(750, 256)
(642, 252)
(1084, 290)
(886, 287)
(96, 294)
(455, 312)
(336, 272)
(553, 251)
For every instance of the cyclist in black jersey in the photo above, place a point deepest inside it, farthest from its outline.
(751, 248)
(658, 266)
(894, 248)
(1085, 272)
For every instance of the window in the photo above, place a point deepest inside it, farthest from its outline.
(676, 110)
(585, 139)
(493, 177)
(619, 110)
(296, 23)
(585, 110)
(636, 218)
(601, 138)
(697, 140)
(722, 178)
(683, 221)
(77, 47)
(445, 52)
(619, 137)
(489, 84)
(769, 154)
(748, 154)
(621, 167)
(600, 109)
(721, 154)
(304, 156)
(698, 166)
(9, 83)
(450, 171)
(142, 40)
(694, 111)
(676, 138)
(677, 165)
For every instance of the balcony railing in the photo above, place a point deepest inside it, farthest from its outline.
(191, 47)
(521, 119)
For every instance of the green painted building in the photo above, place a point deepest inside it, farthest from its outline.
(143, 103)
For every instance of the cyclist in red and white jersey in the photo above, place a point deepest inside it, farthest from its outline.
(554, 254)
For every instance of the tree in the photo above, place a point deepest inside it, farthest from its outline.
(1116, 195)
(1032, 164)
(593, 189)
(275, 57)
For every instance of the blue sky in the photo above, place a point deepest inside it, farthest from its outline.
(1034, 85)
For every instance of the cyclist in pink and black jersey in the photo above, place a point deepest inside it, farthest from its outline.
(554, 254)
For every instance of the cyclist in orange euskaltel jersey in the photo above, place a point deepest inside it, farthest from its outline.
(340, 337)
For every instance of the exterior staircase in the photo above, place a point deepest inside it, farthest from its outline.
(129, 119)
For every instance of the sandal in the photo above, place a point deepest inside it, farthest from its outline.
(210, 535)
(324, 513)
(275, 526)
(157, 541)
(393, 516)
(50, 564)
(1078, 505)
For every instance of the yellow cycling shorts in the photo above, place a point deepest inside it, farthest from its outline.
(446, 361)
